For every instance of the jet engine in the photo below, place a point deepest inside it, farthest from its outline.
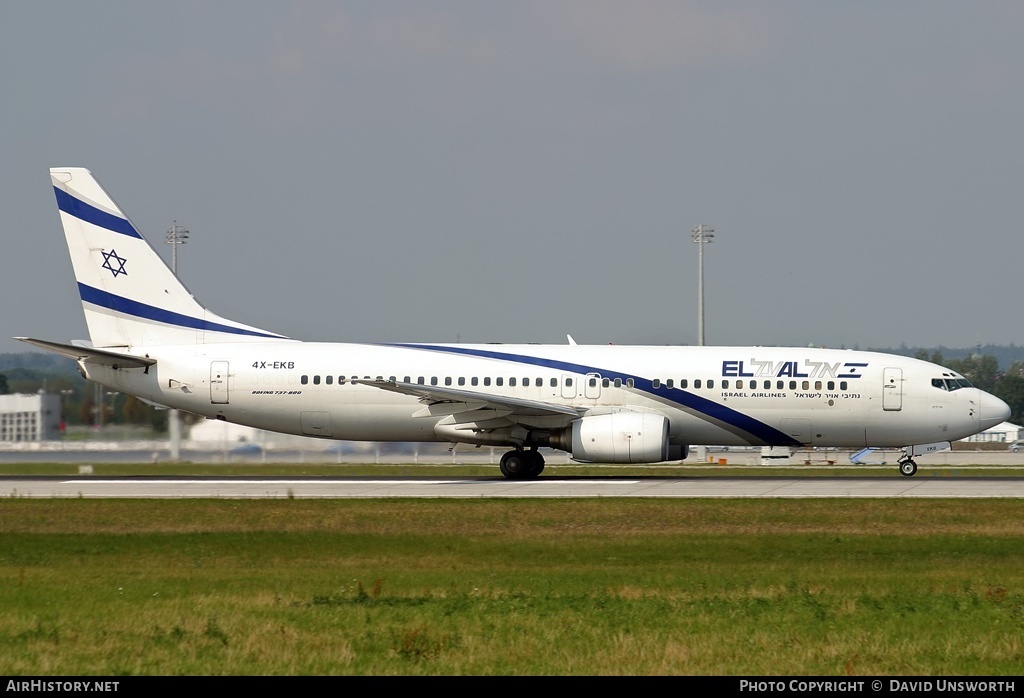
(619, 437)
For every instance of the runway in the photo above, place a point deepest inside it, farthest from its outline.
(487, 487)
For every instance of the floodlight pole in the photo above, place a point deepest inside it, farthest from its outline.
(176, 235)
(701, 234)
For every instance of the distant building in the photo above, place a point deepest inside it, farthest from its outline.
(29, 417)
(1001, 433)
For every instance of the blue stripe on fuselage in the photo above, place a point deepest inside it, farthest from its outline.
(127, 306)
(701, 405)
(90, 214)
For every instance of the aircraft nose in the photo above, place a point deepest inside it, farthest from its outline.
(991, 411)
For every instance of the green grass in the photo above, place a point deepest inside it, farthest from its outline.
(755, 587)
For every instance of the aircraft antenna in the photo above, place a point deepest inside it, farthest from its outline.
(702, 234)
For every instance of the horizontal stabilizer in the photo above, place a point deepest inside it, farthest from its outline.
(104, 357)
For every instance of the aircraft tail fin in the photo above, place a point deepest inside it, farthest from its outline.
(129, 295)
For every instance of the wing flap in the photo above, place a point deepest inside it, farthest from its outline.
(454, 401)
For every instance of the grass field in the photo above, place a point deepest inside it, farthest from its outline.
(484, 587)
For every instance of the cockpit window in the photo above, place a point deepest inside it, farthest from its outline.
(952, 385)
(938, 383)
(964, 383)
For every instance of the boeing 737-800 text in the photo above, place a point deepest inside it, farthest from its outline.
(609, 404)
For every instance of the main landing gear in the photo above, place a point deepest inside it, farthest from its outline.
(908, 468)
(521, 465)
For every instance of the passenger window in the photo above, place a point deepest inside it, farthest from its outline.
(739, 384)
(420, 380)
(711, 384)
(512, 382)
(670, 383)
(341, 380)
(792, 385)
(696, 383)
(605, 382)
(618, 382)
(554, 382)
(806, 385)
(474, 381)
(447, 380)
(842, 385)
(656, 383)
(499, 382)
(539, 383)
(433, 380)
(683, 383)
(329, 380)
(568, 382)
(304, 380)
(817, 385)
(593, 382)
(831, 385)
(725, 385)
(487, 380)
(316, 380)
(629, 382)
(462, 380)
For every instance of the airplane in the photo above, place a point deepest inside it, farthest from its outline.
(149, 337)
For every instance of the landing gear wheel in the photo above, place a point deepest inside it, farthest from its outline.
(908, 468)
(514, 465)
(535, 463)
(521, 465)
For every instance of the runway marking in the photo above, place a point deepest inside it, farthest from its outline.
(262, 481)
(272, 481)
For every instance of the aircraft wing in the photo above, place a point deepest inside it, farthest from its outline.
(104, 357)
(442, 400)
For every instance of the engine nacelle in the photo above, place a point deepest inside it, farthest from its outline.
(620, 437)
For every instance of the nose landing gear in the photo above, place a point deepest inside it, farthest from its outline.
(908, 468)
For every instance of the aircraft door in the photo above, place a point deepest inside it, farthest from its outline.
(892, 389)
(219, 382)
(592, 386)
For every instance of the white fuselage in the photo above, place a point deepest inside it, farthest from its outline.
(151, 338)
(710, 395)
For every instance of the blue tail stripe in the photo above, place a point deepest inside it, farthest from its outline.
(127, 306)
(90, 214)
(763, 432)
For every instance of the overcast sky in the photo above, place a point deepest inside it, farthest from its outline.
(514, 171)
